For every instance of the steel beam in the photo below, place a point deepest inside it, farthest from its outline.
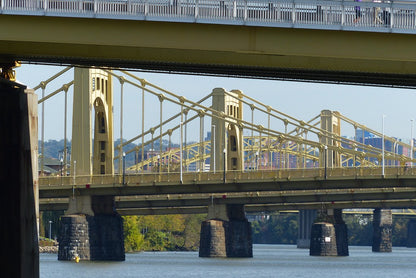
(255, 185)
(321, 55)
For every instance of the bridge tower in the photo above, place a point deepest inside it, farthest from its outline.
(227, 135)
(92, 128)
(329, 236)
(98, 228)
(227, 232)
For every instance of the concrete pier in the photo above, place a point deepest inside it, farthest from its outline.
(91, 238)
(323, 240)
(226, 234)
(382, 230)
(329, 235)
(18, 141)
(98, 236)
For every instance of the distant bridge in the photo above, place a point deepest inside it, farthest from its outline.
(307, 165)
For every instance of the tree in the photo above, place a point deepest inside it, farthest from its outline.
(276, 229)
(133, 239)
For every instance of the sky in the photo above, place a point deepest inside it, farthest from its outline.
(302, 100)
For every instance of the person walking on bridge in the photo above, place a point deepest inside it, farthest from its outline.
(357, 12)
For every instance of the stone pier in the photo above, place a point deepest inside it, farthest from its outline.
(226, 233)
(18, 141)
(92, 237)
(329, 235)
(382, 230)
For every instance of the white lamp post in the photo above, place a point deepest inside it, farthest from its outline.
(411, 143)
(124, 167)
(213, 145)
(382, 145)
(50, 229)
(224, 162)
(181, 151)
(325, 160)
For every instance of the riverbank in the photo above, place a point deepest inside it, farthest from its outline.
(48, 249)
(48, 245)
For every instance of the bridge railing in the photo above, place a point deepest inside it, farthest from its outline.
(218, 177)
(397, 16)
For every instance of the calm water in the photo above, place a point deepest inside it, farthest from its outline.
(268, 261)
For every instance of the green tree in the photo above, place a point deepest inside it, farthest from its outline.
(170, 232)
(133, 239)
(276, 229)
(192, 231)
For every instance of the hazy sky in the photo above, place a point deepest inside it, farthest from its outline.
(299, 99)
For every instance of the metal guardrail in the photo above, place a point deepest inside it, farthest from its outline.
(377, 16)
(218, 177)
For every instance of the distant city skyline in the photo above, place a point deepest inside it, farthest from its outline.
(303, 100)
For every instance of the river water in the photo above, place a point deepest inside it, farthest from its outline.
(267, 261)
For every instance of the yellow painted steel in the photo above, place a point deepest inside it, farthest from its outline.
(93, 96)
(141, 43)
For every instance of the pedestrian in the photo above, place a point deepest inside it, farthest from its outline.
(357, 12)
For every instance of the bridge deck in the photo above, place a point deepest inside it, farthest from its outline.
(392, 16)
(296, 189)
(287, 39)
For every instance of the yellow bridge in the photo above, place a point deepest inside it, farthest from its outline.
(281, 163)
(259, 158)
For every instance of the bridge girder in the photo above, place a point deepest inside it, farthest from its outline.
(320, 55)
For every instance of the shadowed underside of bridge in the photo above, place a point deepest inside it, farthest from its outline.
(303, 54)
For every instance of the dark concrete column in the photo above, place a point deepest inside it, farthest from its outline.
(341, 233)
(305, 221)
(226, 237)
(382, 230)
(93, 237)
(19, 250)
(411, 233)
(239, 241)
(323, 240)
(329, 236)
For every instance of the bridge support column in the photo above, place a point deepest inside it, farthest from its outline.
(18, 172)
(411, 233)
(329, 234)
(306, 219)
(341, 233)
(227, 233)
(382, 230)
(92, 237)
